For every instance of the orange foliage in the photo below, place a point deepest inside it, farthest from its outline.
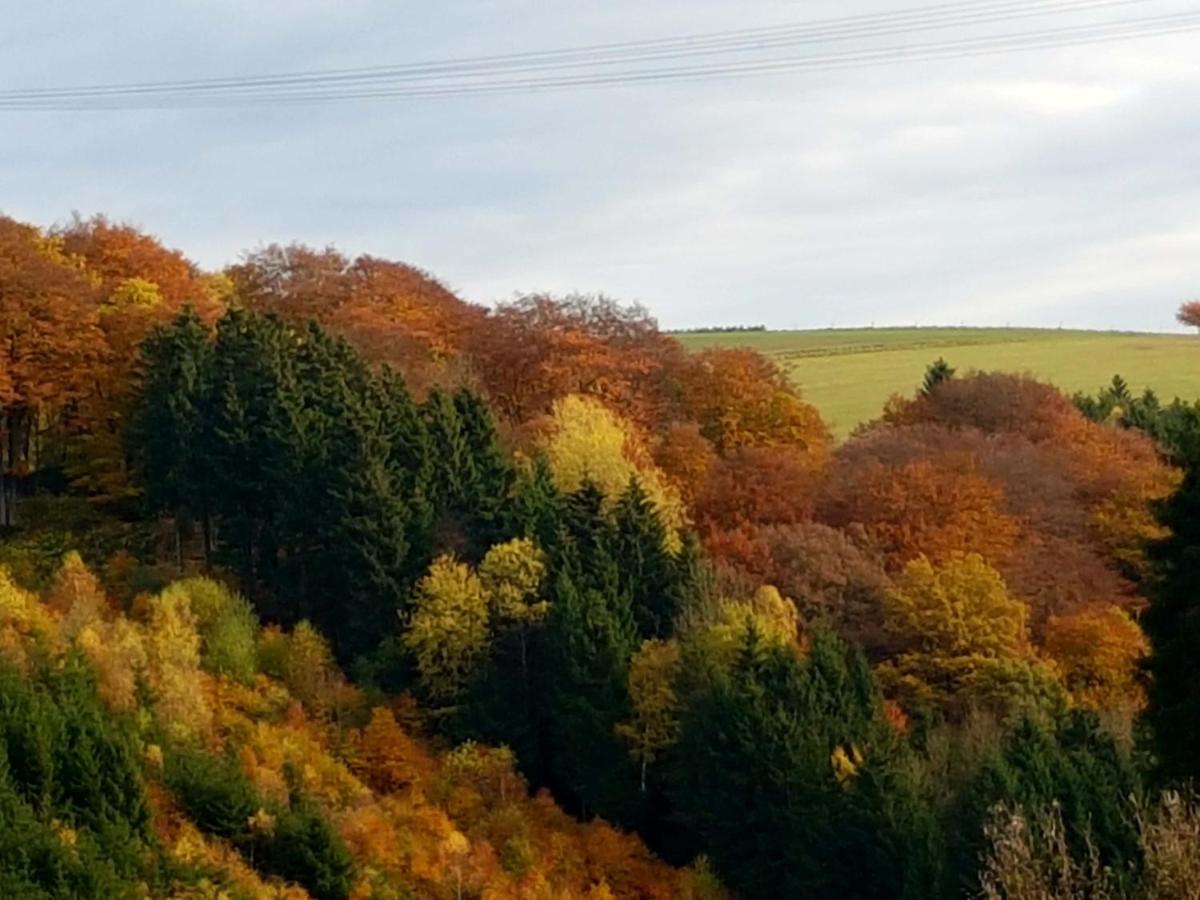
(937, 509)
(390, 312)
(757, 485)
(685, 457)
(741, 399)
(539, 349)
(1099, 651)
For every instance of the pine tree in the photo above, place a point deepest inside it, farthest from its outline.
(249, 444)
(491, 474)
(535, 508)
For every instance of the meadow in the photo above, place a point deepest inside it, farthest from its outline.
(850, 373)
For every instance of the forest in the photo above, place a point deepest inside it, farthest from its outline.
(317, 580)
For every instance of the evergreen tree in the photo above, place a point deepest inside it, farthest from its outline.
(938, 372)
(453, 467)
(646, 568)
(490, 474)
(535, 508)
(162, 438)
(1173, 625)
(772, 774)
(1072, 763)
(249, 447)
(590, 638)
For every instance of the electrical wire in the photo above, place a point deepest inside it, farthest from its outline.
(626, 63)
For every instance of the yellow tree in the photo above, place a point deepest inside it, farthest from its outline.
(586, 441)
(655, 723)
(966, 639)
(173, 656)
(512, 574)
(448, 630)
(958, 609)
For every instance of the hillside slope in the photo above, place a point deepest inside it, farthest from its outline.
(180, 751)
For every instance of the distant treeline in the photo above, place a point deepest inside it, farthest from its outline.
(718, 329)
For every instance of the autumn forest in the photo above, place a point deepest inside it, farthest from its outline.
(317, 580)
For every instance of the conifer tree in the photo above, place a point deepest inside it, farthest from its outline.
(647, 569)
(772, 773)
(1173, 625)
(168, 412)
(590, 639)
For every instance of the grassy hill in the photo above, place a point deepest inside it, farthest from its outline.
(850, 373)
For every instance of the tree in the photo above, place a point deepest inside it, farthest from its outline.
(1069, 761)
(964, 643)
(656, 706)
(448, 630)
(1173, 625)
(587, 442)
(53, 349)
(590, 638)
(958, 609)
(932, 507)
(742, 399)
(755, 774)
(937, 373)
(164, 432)
(646, 567)
(1189, 314)
(1099, 651)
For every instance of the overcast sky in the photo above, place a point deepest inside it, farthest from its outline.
(1042, 188)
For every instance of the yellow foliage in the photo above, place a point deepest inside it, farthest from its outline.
(960, 608)
(448, 630)
(173, 656)
(512, 574)
(655, 723)
(587, 441)
(76, 594)
(117, 652)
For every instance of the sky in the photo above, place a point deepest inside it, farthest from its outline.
(1051, 188)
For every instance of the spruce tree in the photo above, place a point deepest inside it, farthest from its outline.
(162, 438)
(1173, 625)
(590, 638)
(646, 568)
(772, 774)
(535, 509)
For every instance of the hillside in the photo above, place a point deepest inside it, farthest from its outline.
(849, 374)
(317, 581)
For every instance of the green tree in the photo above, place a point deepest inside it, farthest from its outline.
(163, 435)
(937, 373)
(449, 628)
(1172, 624)
(647, 568)
(777, 774)
(590, 639)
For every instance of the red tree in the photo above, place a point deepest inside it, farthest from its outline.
(1189, 313)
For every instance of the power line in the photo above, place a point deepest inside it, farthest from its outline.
(742, 40)
(423, 81)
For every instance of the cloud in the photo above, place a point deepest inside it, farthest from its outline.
(1036, 188)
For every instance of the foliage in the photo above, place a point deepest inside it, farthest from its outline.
(448, 631)
(1189, 314)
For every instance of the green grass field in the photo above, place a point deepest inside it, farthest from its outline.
(850, 373)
